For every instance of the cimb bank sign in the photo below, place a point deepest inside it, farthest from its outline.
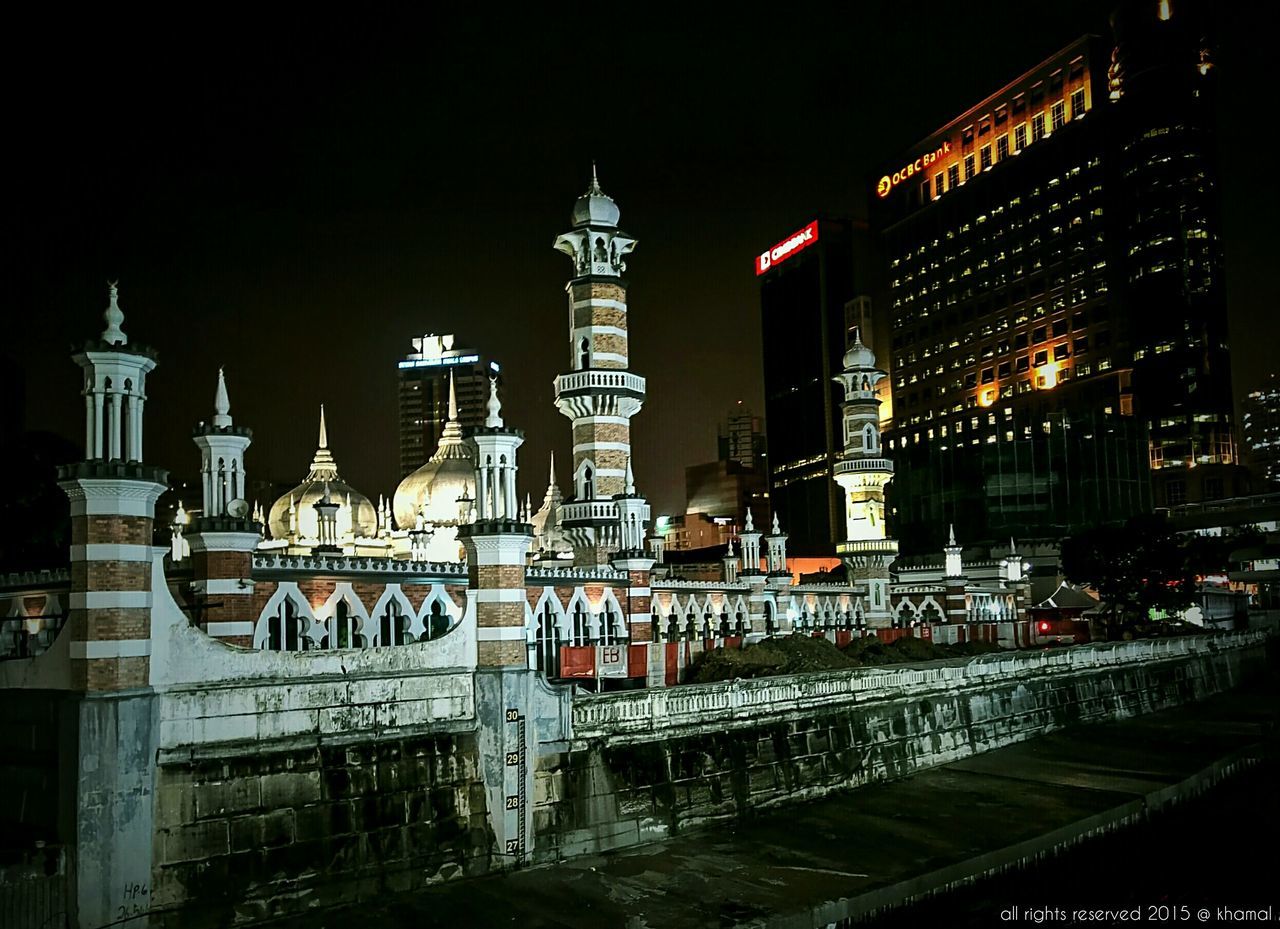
(797, 241)
(890, 181)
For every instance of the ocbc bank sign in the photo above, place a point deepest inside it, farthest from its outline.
(890, 181)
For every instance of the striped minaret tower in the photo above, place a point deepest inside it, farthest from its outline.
(224, 537)
(113, 497)
(862, 472)
(599, 394)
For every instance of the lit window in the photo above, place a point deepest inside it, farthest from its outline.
(1059, 113)
(1020, 137)
(1077, 103)
(1037, 127)
(1002, 147)
(986, 157)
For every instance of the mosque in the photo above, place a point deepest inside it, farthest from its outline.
(325, 567)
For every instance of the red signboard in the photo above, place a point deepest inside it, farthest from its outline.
(793, 243)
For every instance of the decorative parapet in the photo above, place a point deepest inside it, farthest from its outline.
(677, 584)
(836, 590)
(655, 712)
(358, 564)
(601, 573)
(35, 580)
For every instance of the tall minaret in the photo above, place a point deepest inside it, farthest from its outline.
(600, 395)
(862, 473)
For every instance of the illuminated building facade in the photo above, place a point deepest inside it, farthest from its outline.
(424, 394)
(1262, 429)
(806, 281)
(1163, 86)
(1033, 390)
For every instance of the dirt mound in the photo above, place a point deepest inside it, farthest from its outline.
(782, 655)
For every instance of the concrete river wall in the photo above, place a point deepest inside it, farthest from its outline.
(644, 765)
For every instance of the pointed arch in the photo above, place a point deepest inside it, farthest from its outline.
(437, 616)
(286, 622)
(344, 619)
(610, 620)
(393, 618)
(548, 622)
(582, 622)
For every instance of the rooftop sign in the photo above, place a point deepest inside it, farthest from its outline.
(890, 181)
(793, 243)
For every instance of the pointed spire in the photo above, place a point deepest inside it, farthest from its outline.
(751, 524)
(552, 481)
(221, 403)
(114, 317)
(952, 541)
(730, 553)
(323, 467)
(595, 180)
(777, 530)
(453, 400)
(1012, 548)
(494, 419)
(631, 479)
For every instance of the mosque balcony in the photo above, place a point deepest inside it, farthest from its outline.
(600, 393)
(589, 512)
(867, 547)
(862, 465)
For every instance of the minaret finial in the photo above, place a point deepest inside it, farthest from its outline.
(114, 317)
(221, 402)
(494, 419)
(631, 479)
(552, 480)
(453, 400)
(953, 535)
(595, 181)
(751, 524)
(324, 433)
(777, 530)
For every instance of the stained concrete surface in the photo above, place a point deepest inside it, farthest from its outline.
(812, 864)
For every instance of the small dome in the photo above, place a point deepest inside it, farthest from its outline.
(356, 516)
(595, 207)
(434, 489)
(858, 355)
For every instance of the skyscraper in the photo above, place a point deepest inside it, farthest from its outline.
(1262, 430)
(806, 281)
(1042, 368)
(424, 394)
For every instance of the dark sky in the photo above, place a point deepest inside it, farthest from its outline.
(295, 200)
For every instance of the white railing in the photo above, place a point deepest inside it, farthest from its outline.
(585, 380)
(589, 509)
(557, 573)
(358, 563)
(699, 705)
(852, 465)
(676, 584)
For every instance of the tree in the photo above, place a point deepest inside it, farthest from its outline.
(1137, 569)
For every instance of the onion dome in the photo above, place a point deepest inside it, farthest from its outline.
(858, 355)
(433, 491)
(595, 207)
(294, 517)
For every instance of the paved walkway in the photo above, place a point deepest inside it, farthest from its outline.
(808, 865)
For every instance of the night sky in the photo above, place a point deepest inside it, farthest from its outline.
(295, 200)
